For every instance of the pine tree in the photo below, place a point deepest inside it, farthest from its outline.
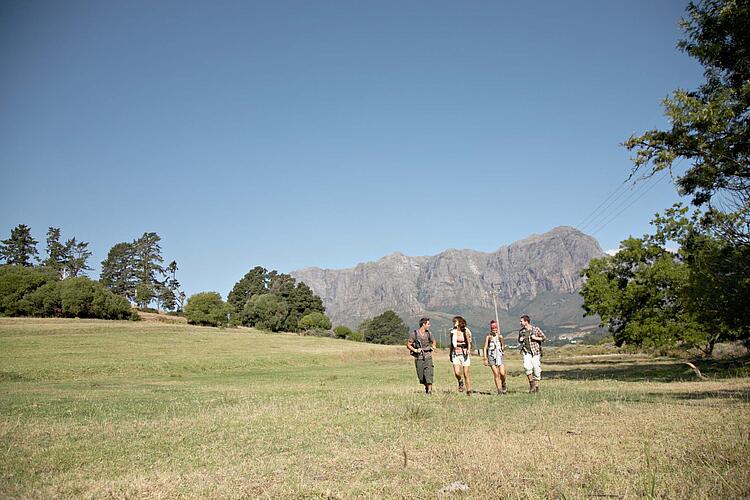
(147, 260)
(76, 257)
(55, 252)
(118, 270)
(20, 247)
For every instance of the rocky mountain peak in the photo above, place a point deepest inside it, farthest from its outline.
(459, 280)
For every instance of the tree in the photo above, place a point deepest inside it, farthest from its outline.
(297, 298)
(75, 258)
(55, 252)
(710, 126)
(118, 270)
(636, 295)
(165, 297)
(20, 248)
(207, 309)
(172, 283)
(386, 328)
(302, 301)
(315, 322)
(255, 282)
(265, 311)
(147, 261)
(717, 289)
(144, 294)
(651, 297)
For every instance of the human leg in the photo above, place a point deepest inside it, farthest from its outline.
(428, 371)
(537, 371)
(501, 372)
(496, 375)
(457, 373)
(466, 376)
(528, 368)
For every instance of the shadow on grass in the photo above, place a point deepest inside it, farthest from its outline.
(739, 394)
(645, 370)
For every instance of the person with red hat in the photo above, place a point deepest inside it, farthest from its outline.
(494, 346)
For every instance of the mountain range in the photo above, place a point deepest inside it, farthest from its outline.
(538, 275)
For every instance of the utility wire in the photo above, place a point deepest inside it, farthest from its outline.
(614, 204)
(650, 187)
(585, 220)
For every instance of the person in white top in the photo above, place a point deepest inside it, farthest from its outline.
(459, 353)
(494, 347)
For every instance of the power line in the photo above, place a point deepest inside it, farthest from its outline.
(581, 224)
(652, 186)
(614, 204)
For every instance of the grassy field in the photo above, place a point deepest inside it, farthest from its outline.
(158, 410)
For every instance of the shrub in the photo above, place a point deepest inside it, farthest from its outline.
(45, 301)
(315, 323)
(109, 305)
(342, 332)
(207, 309)
(18, 281)
(36, 292)
(356, 337)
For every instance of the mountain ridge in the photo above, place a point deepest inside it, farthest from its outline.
(462, 281)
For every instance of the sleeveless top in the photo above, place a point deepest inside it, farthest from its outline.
(459, 341)
(493, 347)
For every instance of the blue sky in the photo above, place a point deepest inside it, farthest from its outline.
(295, 134)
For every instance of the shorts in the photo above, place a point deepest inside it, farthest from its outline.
(493, 361)
(424, 370)
(461, 359)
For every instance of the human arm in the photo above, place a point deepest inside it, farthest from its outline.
(410, 344)
(538, 335)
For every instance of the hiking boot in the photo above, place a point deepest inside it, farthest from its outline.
(531, 387)
(468, 393)
(504, 390)
(461, 385)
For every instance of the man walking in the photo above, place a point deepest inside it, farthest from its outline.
(420, 345)
(531, 337)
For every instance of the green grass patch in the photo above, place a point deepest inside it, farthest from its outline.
(122, 409)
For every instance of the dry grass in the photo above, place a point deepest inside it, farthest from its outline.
(150, 410)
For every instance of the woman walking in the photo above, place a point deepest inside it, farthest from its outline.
(494, 346)
(459, 353)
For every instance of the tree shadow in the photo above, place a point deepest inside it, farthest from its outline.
(644, 370)
(742, 395)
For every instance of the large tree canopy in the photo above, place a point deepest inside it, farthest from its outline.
(386, 328)
(648, 296)
(710, 126)
(291, 300)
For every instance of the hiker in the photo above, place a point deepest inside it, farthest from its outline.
(530, 338)
(459, 353)
(420, 345)
(494, 346)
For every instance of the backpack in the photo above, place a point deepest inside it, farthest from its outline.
(417, 344)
